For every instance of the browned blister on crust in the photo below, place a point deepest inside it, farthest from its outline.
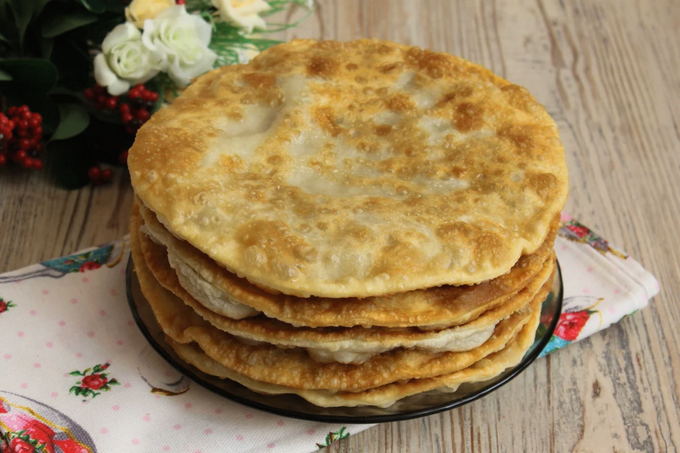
(386, 395)
(347, 345)
(433, 307)
(354, 169)
(293, 367)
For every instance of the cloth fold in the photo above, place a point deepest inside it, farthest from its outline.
(76, 374)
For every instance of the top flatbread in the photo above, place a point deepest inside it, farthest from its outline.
(353, 169)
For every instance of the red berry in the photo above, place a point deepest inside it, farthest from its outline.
(124, 108)
(26, 115)
(37, 117)
(22, 108)
(89, 93)
(106, 174)
(12, 111)
(37, 164)
(37, 132)
(3, 159)
(8, 134)
(19, 155)
(142, 114)
(94, 173)
(25, 162)
(25, 143)
(126, 117)
(10, 124)
(111, 103)
(22, 124)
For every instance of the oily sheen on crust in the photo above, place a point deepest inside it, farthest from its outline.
(353, 169)
(294, 367)
(336, 344)
(383, 396)
(433, 308)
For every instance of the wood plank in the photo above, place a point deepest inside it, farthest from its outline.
(608, 71)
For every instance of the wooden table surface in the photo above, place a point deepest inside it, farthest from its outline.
(609, 73)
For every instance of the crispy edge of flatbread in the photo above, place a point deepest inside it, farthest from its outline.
(384, 396)
(264, 329)
(294, 367)
(439, 307)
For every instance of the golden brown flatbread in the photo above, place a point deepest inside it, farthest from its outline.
(354, 169)
(440, 307)
(294, 367)
(347, 345)
(383, 396)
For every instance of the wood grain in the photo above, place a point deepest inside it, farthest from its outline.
(609, 72)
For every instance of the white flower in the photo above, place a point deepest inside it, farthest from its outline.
(245, 54)
(243, 13)
(124, 60)
(141, 10)
(181, 41)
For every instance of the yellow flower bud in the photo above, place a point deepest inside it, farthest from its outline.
(141, 10)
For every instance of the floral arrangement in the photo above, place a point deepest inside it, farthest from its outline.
(79, 77)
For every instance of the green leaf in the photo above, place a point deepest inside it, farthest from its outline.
(73, 119)
(96, 6)
(100, 6)
(46, 46)
(59, 23)
(32, 75)
(76, 373)
(4, 76)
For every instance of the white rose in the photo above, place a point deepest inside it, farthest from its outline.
(243, 13)
(181, 41)
(124, 60)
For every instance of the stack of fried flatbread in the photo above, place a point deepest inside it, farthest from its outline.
(352, 222)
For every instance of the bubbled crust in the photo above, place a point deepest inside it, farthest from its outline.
(354, 169)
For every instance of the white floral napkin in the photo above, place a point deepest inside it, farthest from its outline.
(76, 374)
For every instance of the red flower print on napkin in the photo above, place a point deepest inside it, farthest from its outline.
(93, 379)
(571, 324)
(89, 266)
(5, 305)
(18, 445)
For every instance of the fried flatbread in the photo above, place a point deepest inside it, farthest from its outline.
(440, 307)
(354, 169)
(294, 367)
(346, 345)
(384, 396)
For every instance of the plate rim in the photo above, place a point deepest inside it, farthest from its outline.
(188, 371)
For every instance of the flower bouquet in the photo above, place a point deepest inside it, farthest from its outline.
(79, 77)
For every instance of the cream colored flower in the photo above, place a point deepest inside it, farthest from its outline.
(124, 60)
(181, 41)
(245, 54)
(141, 10)
(243, 13)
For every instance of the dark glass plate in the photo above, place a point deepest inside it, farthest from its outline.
(293, 406)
